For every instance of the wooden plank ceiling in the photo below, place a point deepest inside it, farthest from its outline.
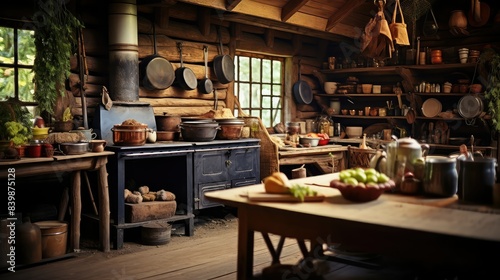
(327, 19)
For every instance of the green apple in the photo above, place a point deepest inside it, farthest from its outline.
(382, 178)
(351, 181)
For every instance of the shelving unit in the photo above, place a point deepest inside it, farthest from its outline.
(408, 76)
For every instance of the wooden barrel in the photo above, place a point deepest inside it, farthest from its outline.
(156, 233)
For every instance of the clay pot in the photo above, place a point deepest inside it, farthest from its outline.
(458, 19)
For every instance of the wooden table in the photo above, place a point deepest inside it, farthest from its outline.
(414, 229)
(26, 167)
(321, 156)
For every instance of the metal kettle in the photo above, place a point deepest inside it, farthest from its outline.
(404, 147)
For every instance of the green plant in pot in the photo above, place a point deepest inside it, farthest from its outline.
(15, 124)
(55, 41)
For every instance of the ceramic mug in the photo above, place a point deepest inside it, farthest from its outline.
(87, 133)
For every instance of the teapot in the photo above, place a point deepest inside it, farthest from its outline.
(405, 147)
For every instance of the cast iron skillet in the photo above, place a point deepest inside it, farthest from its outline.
(301, 91)
(205, 85)
(223, 64)
(185, 77)
(155, 71)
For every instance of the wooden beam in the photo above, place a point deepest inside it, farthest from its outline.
(204, 21)
(343, 12)
(291, 8)
(162, 17)
(282, 26)
(231, 4)
(269, 37)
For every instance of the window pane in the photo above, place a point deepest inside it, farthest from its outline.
(276, 72)
(256, 70)
(276, 102)
(26, 85)
(243, 92)
(266, 102)
(6, 45)
(6, 82)
(266, 69)
(26, 46)
(256, 93)
(244, 69)
(277, 90)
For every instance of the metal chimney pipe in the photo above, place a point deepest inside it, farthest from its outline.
(123, 51)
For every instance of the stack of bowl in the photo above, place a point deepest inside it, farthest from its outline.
(463, 53)
(167, 127)
(473, 56)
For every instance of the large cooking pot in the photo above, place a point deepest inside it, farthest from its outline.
(184, 76)
(130, 135)
(223, 64)
(302, 91)
(199, 131)
(205, 85)
(440, 177)
(155, 72)
(407, 148)
(167, 122)
(74, 148)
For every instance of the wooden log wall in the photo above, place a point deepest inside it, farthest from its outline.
(195, 27)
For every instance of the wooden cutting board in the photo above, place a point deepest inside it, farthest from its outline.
(269, 197)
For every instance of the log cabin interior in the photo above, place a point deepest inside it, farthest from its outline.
(268, 63)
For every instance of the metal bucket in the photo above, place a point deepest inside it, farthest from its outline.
(156, 233)
(54, 238)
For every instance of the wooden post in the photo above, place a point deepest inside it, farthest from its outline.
(103, 207)
(77, 211)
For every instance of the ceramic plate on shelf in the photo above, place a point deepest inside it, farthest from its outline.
(431, 107)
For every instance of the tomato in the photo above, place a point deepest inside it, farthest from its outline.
(323, 136)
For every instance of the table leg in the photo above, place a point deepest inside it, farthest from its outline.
(245, 246)
(104, 209)
(76, 210)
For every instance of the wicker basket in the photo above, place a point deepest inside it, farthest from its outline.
(269, 160)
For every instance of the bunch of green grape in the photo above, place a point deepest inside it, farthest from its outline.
(355, 176)
(300, 191)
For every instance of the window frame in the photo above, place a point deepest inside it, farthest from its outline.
(16, 65)
(258, 112)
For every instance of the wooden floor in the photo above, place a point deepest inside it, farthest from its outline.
(210, 254)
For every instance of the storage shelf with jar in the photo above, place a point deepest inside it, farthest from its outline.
(409, 77)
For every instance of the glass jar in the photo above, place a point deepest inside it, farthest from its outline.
(324, 125)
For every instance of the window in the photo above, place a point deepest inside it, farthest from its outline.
(17, 55)
(259, 86)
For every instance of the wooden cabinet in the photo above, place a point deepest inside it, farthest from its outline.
(409, 77)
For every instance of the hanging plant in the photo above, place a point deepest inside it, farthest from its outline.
(489, 63)
(55, 42)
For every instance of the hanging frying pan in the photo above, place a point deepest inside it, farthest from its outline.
(185, 77)
(223, 64)
(155, 72)
(205, 85)
(301, 91)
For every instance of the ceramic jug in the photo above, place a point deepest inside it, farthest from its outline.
(404, 147)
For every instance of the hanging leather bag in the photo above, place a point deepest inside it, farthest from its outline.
(376, 40)
(398, 29)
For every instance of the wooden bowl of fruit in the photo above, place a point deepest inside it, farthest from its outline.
(362, 185)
